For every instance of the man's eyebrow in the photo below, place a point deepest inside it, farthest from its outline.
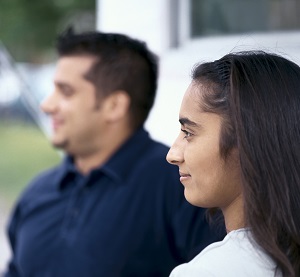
(61, 84)
(186, 121)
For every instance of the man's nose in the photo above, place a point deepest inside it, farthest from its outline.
(48, 104)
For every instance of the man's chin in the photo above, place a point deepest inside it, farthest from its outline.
(60, 144)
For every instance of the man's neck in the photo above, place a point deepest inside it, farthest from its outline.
(86, 163)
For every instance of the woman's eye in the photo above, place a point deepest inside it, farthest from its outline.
(186, 133)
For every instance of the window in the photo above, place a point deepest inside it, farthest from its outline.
(217, 17)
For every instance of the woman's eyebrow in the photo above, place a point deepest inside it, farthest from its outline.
(185, 121)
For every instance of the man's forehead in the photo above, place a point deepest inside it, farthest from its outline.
(74, 65)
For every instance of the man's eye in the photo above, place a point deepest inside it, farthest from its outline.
(67, 91)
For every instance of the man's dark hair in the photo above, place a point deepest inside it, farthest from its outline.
(122, 63)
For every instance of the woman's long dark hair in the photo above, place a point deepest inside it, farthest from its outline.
(258, 96)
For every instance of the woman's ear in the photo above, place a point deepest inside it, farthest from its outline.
(117, 105)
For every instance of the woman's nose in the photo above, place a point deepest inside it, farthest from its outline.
(174, 155)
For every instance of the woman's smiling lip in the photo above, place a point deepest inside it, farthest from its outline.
(184, 176)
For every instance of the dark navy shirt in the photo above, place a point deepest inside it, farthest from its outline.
(126, 218)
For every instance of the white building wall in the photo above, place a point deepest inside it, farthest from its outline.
(145, 20)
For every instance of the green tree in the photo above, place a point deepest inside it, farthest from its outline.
(28, 28)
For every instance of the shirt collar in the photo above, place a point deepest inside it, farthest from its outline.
(64, 170)
(117, 167)
(121, 163)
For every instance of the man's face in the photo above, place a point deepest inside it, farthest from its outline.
(76, 118)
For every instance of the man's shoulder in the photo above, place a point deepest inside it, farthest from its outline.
(47, 174)
(152, 165)
(156, 149)
(154, 155)
(42, 181)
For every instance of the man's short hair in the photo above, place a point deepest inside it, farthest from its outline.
(122, 63)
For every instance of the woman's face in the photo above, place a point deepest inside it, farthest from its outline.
(209, 180)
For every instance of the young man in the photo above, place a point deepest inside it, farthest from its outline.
(114, 206)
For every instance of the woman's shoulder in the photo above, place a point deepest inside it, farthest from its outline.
(236, 244)
(236, 255)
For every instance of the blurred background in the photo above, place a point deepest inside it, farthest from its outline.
(181, 32)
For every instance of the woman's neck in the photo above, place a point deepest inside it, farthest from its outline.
(234, 215)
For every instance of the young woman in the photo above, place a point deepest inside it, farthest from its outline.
(239, 151)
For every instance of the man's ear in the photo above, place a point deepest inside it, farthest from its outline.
(117, 105)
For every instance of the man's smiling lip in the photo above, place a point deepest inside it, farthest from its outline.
(56, 123)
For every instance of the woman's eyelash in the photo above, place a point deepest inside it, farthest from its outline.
(187, 134)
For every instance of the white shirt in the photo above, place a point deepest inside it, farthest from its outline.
(235, 255)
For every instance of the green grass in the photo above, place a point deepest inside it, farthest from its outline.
(25, 151)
